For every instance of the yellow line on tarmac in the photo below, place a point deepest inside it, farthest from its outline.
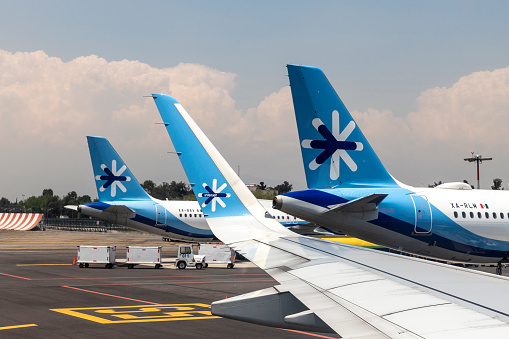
(44, 265)
(16, 326)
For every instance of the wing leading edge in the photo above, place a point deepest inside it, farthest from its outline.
(325, 286)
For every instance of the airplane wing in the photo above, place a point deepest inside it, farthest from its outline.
(325, 286)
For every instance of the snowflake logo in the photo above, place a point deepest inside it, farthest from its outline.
(334, 146)
(113, 178)
(214, 195)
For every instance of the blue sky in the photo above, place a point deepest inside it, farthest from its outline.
(380, 57)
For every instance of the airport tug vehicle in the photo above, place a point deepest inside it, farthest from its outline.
(212, 253)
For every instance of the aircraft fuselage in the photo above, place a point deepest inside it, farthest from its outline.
(447, 224)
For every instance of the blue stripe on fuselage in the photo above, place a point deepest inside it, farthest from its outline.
(396, 213)
(145, 214)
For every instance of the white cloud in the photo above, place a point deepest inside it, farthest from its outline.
(48, 106)
(431, 143)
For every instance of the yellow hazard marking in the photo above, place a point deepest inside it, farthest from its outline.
(140, 313)
(16, 326)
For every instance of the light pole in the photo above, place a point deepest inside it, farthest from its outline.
(478, 159)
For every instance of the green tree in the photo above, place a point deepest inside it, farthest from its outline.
(466, 182)
(497, 184)
(4, 202)
(435, 184)
(285, 187)
(148, 186)
(173, 191)
(261, 186)
(264, 194)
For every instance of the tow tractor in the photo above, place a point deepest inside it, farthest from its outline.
(186, 257)
(207, 254)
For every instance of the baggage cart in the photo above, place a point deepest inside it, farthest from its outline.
(143, 255)
(96, 255)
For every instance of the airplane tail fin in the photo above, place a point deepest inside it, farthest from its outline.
(114, 181)
(220, 192)
(334, 150)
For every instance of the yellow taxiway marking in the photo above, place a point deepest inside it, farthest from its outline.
(44, 264)
(16, 326)
(140, 313)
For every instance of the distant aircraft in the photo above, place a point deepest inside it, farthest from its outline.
(350, 190)
(124, 202)
(325, 286)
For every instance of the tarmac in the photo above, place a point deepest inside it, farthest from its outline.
(44, 295)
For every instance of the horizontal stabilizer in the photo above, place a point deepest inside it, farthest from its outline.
(71, 207)
(121, 209)
(365, 208)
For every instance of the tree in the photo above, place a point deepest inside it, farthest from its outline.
(148, 186)
(261, 186)
(497, 184)
(174, 190)
(4, 202)
(47, 191)
(435, 184)
(466, 182)
(85, 199)
(285, 187)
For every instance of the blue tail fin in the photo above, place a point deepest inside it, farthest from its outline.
(113, 179)
(334, 150)
(217, 187)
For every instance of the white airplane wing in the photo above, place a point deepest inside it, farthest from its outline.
(325, 286)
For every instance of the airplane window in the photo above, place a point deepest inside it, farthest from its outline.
(494, 215)
(180, 215)
(295, 218)
(479, 215)
(287, 217)
(185, 215)
(195, 216)
(501, 215)
(487, 215)
(471, 214)
(463, 214)
(455, 214)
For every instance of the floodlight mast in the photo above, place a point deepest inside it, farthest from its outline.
(478, 159)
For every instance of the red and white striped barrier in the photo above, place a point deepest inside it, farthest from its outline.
(19, 221)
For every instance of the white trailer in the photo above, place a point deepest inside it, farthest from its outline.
(217, 254)
(143, 255)
(96, 255)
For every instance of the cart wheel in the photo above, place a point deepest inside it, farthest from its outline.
(229, 266)
(108, 266)
(199, 266)
(86, 265)
(130, 266)
(206, 265)
(158, 266)
(81, 265)
(181, 265)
